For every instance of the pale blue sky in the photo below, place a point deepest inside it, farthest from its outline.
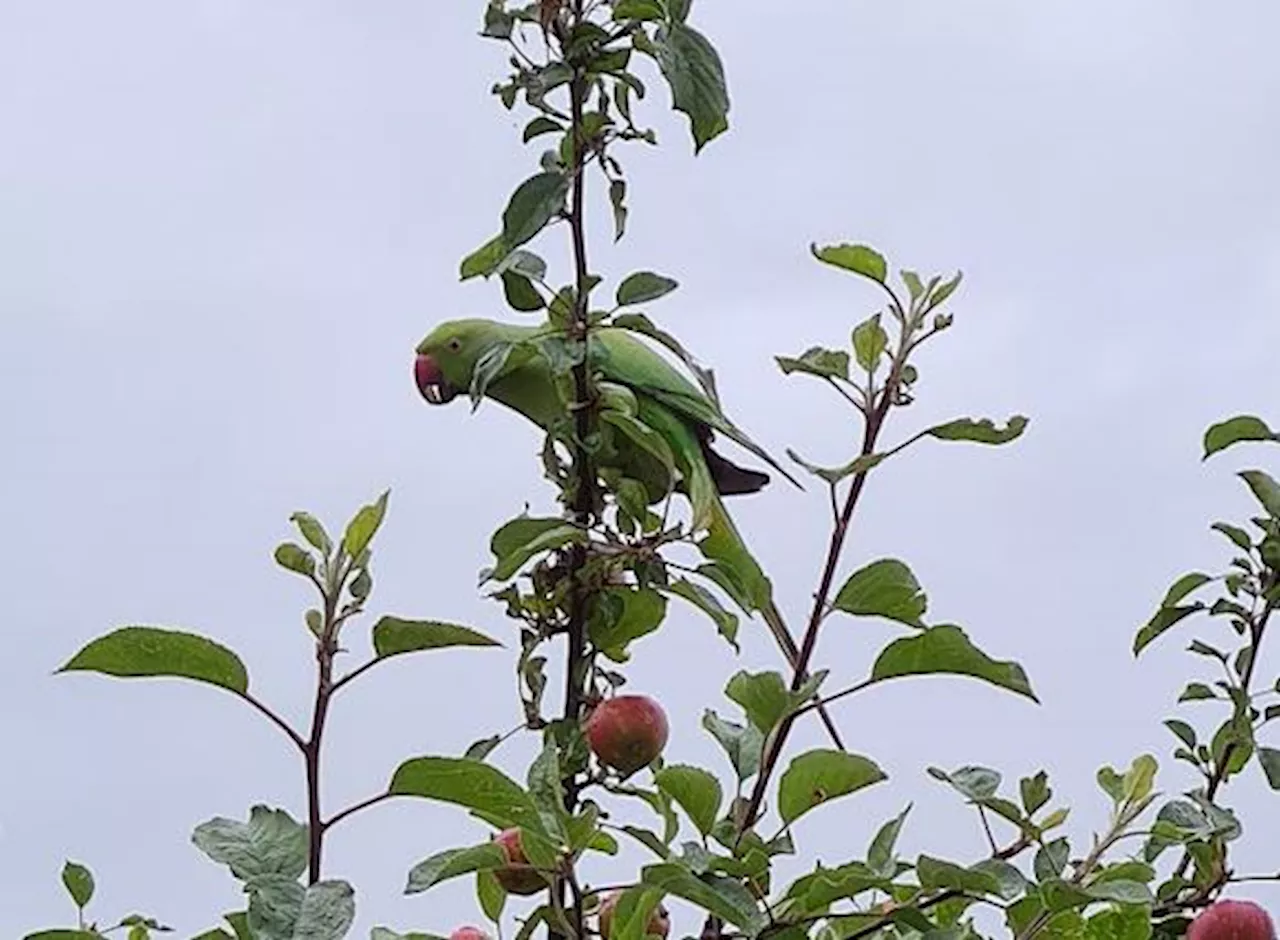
(226, 223)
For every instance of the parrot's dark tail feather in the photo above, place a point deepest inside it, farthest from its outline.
(730, 479)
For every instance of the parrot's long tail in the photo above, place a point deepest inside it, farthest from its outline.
(730, 479)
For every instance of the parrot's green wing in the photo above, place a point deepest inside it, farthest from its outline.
(625, 359)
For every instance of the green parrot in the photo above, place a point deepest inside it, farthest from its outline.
(643, 397)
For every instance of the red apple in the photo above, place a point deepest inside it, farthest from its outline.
(1232, 920)
(469, 933)
(627, 732)
(517, 877)
(659, 921)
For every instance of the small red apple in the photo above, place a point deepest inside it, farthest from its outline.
(469, 933)
(627, 732)
(659, 921)
(517, 877)
(1232, 920)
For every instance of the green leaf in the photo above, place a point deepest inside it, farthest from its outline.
(819, 776)
(763, 696)
(468, 783)
(520, 539)
(1265, 488)
(1140, 778)
(1035, 792)
(1164, 619)
(632, 912)
(817, 361)
(869, 343)
(726, 622)
(1122, 892)
(275, 904)
(975, 783)
(1235, 430)
(393, 636)
(944, 291)
(823, 887)
(524, 262)
(1119, 923)
(520, 293)
(364, 526)
(312, 531)
(1196, 691)
(133, 652)
(884, 588)
(743, 743)
(1183, 731)
(633, 613)
(980, 432)
(78, 881)
(294, 558)
(695, 74)
(491, 895)
(1051, 858)
(1269, 761)
(64, 934)
(880, 855)
(946, 649)
(239, 922)
(454, 862)
(1238, 536)
(540, 125)
(534, 203)
(1131, 870)
(915, 287)
(697, 792)
(546, 790)
(1010, 883)
(1111, 783)
(618, 202)
(833, 475)
(270, 843)
(936, 874)
(860, 259)
(644, 286)
(328, 910)
(484, 260)
(1184, 586)
(723, 897)
(638, 10)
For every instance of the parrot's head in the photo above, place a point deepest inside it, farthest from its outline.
(447, 358)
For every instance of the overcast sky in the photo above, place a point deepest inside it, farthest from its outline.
(225, 224)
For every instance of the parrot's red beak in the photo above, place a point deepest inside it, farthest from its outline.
(431, 381)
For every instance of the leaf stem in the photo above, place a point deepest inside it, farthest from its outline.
(355, 808)
(275, 719)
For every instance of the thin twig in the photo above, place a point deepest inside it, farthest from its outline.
(275, 719)
(357, 807)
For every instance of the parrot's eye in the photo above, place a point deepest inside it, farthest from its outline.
(455, 345)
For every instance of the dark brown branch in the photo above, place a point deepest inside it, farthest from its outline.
(777, 741)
